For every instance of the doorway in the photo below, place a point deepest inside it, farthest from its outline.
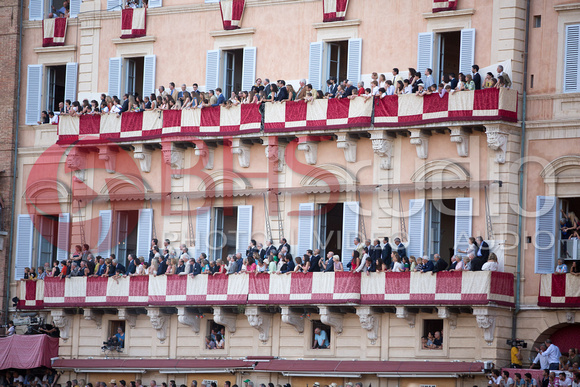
(126, 235)
(448, 58)
(134, 76)
(569, 246)
(442, 228)
(233, 63)
(47, 239)
(55, 76)
(330, 228)
(225, 226)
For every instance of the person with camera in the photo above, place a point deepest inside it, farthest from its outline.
(516, 354)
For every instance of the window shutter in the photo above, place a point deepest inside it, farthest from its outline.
(63, 241)
(572, 59)
(434, 230)
(249, 68)
(463, 219)
(545, 239)
(75, 8)
(24, 242)
(315, 65)
(155, 3)
(70, 87)
(35, 11)
(212, 69)
(244, 234)
(305, 228)
(416, 227)
(33, 94)
(467, 50)
(115, 76)
(202, 231)
(425, 51)
(105, 231)
(149, 68)
(114, 5)
(350, 214)
(144, 233)
(353, 67)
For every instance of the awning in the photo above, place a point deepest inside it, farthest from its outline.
(163, 365)
(26, 352)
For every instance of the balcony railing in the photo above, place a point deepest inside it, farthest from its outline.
(444, 288)
(324, 115)
(559, 291)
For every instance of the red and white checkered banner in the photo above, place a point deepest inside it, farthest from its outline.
(479, 105)
(334, 10)
(444, 5)
(133, 22)
(211, 121)
(320, 114)
(53, 31)
(559, 290)
(232, 12)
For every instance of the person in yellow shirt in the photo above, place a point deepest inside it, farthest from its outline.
(516, 356)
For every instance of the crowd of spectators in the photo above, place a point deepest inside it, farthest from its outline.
(432, 341)
(38, 377)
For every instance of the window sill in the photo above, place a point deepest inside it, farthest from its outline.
(239, 31)
(144, 39)
(444, 14)
(337, 24)
(43, 50)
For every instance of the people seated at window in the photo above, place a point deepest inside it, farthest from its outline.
(320, 339)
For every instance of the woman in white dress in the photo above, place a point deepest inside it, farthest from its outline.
(471, 248)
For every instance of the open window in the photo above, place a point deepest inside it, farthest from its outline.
(340, 59)
(126, 234)
(321, 334)
(432, 336)
(55, 78)
(224, 231)
(133, 231)
(231, 69)
(47, 239)
(40, 9)
(568, 246)
(115, 340)
(329, 229)
(133, 75)
(215, 337)
(232, 65)
(336, 59)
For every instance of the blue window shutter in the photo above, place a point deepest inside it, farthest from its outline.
(416, 228)
(545, 238)
(244, 234)
(463, 220)
(350, 216)
(315, 65)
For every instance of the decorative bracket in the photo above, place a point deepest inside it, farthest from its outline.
(76, 161)
(421, 140)
(403, 312)
(243, 151)
(206, 152)
(486, 321)
(310, 149)
(186, 317)
(261, 321)
(274, 152)
(570, 317)
(383, 147)
(109, 155)
(159, 322)
(130, 318)
(445, 313)
(91, 314)
(347, 143)
(228, 320)
(143, 153)
(174, 156)
(331, 318)
(62, 321)
(460, 137)
(293, 318)
(497, 141)
(370, 322)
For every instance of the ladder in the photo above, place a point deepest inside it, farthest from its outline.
(153, 219)
(402, 219)
(267, 213)
(361, 219)
(280, 223)
(488, 217)
(189, 222)
(81, 223)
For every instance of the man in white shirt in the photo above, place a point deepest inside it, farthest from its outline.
(576, 381)
(11, 329)
(495, 379)
(552, 353)
(563, 380)
(508, 380)
(542, 359)
(428, 81)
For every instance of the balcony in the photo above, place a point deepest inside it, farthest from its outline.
(299, 118)
(559, 291)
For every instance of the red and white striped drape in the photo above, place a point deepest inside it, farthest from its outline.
(53, 31)
(334, 10)
(444, 5)
(133, 23)
(232, 11)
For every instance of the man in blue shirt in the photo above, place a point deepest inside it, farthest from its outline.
(320, 339)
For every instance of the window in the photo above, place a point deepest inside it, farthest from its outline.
(126, 234)
(336, 56)
(330, 229)
(134, 76)
(320, 335)
(432, 337)
(55, 77)
(115, 340)
(215, 338)
(232, 70)
(569, 248)
(224, 241)
(537, 21)
(232, 65)
(39, 9)
(47, 239)
(448, 58)
(441, 227)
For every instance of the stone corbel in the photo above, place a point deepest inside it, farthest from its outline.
(421, 141)
(62, 321)
(293, 318)
(383, 147)
(274, 152)
(206, 152)
(309, 145)
(445, 313)
(461, 138)
(347, 143)
(109, 155)
(224, 318)
(403, 312)
(370, 322)
(143, 153)
(570, 317)
(186, 317)
(159, 322)
(76, 161)
(174, 156)
(331, 318)
(486, 321)
(261, 321)
(129, 318)
(497, 141)
(91, 314)
(243, 151)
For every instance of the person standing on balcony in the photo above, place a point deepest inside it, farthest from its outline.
(386, 252)
(439, 265)
(301, 94)
(483, 250)
(284, 244)
(401, 250)
(552, 353)
(471, 248)
(492, 264)
(476, 76)
(506, 78)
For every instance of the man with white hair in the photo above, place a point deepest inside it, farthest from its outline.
(301, 94)
(349, 88)
(427, 264)
(476, 262)
(440, 265)
(506, 78)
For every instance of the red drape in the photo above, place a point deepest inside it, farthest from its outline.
(26, 352)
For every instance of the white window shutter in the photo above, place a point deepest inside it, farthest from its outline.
(305, 228)
(416, 228)
(75, 8)
(315, 65)
(144, 233)
(572, 59)
(202, 230)
(149, 69)
(463, 220)
(24, 243)
(70, 87)
(63, 241)
(425, 51)
(467, 50)
(36, 10)
(545, 238)
(155, 3)
(244, 234)
(212, 69)
(350, 214)
(114, 5)
(105, 233)
(33, 94)
(353, 67)
(249, 68)
(115, 76)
